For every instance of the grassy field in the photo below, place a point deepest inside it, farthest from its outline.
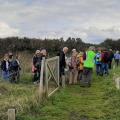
(100, 102)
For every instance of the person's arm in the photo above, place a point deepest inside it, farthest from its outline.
(19, 65)
(94, 58)
(33, 64)
(34, 60)
(81, 60)
(2, 66)
(114, 56)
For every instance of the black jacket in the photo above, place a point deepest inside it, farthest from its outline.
(37, 62)
(61, 55)
(3, 65)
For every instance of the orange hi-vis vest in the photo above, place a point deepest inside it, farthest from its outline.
(81, 63)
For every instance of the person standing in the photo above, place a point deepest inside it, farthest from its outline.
(5, 66)
(117, 58)
(17, 68)
(62, 65)
(110, 59)
(80, 66)
(105, 61)
(11, 69)
(73, 67)
(36, 66)
(98, 63)
(88, 67)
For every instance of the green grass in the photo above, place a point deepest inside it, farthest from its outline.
(14, 96)
(99, 102)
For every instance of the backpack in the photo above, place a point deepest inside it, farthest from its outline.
(105, 57)
(14, 65)
(98, 57)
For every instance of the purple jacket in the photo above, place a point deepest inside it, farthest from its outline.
(117, 56)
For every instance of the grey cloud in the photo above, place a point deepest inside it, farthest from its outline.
(92, 20)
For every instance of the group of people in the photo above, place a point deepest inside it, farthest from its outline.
(36, 64)
(10, 67)
(81, 65)
(104, 59)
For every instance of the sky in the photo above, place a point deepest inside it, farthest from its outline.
(91, 20)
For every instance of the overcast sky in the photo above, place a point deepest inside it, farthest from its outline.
(91, 20)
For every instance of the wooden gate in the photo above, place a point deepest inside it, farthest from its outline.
(49, 81)
(52, 75)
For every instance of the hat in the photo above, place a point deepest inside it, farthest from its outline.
(91, 48)
(73, 50)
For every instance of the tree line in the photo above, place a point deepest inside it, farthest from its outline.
(52, 45)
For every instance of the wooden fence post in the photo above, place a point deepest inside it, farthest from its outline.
(11, 114)
(58, 72)
(41, 86)
(117, 80)
(63, 81)
(46, 80)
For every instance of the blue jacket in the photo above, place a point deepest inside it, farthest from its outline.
(98, 58)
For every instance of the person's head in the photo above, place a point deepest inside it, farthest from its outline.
(105, 50)
(110, 50)
(37, 52)
(10, 54)
(74, 54)
(74, 50)
(117, 52)
(6, 57)
(44, 52)
(99, 50)
(92, 48)
(65, 50)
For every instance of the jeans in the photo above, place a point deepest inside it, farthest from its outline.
(36, 76)
(105, 68)
(87, 77)
(5, 75)
(80, 74)
(98, 69)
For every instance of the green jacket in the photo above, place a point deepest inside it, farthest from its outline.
(89, 62)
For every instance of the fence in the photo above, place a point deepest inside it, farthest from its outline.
(49, 81)
(49, 78)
